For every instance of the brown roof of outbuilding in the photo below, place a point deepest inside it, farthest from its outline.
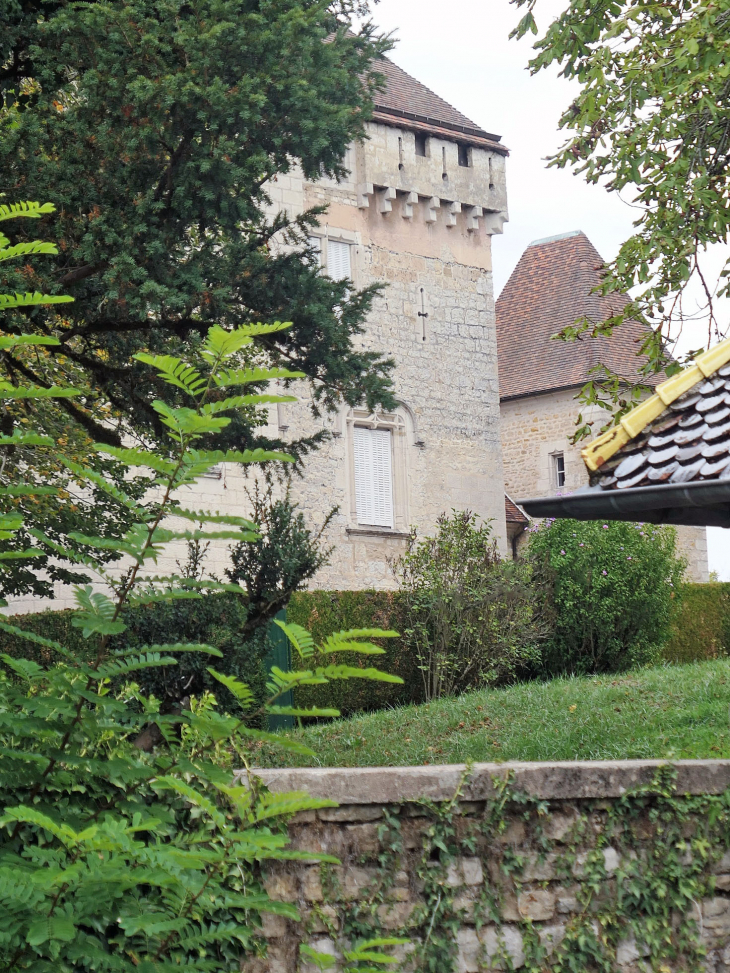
(550, 289)
(407, 103)
(513, 513)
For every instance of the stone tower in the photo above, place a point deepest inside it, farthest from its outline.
(424, 195)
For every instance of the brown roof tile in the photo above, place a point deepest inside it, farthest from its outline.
(408, 103)
(513, 513)
(549, 289)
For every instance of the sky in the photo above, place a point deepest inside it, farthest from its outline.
(461, 50)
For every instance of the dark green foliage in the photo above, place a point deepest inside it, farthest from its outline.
(281, 560)
(471, 618)
(701, 628)
(610, 593)
(325, 612)
(155, 126)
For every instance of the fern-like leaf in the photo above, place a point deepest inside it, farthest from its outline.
(28, 209)
(299, 638)
(8, 301)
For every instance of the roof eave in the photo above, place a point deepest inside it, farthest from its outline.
(419, 123)
(705, 504)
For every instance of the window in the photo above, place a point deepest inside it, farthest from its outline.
(334, 257)
(338, 260)
(464, 156)
(373, 476)
(558, 470)
(214, 473)
(420, 145)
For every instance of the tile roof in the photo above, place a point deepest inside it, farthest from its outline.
(407, 103)
(667, 461)
(513, 513)
(549, 289)
(688, 441)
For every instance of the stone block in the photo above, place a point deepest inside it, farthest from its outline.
(321, 945)
(540, 869)
(716, 921)
(464, 871)
(312, 885)
(323, 919)
(498, 942)
(551, 936)
(559, 825)
(395, 915)
(354, 879)
(567, 902)
(537, 905)
(274, 927)
(629, 951)
(350, 812)
(282, 887)
(363, 839)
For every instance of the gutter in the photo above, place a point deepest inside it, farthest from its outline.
(691, 504)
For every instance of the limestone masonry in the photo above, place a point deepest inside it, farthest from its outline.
(620, 866)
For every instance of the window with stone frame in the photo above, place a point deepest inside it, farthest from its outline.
(334, 256)
(557, 470)
(377, 462)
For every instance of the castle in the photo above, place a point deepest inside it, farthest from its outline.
(485, 399)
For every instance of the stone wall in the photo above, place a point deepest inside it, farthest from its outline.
(535, 427)
(570, 866)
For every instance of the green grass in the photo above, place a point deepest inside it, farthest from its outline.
(669, 712)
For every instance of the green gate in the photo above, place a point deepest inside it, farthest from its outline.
(280, 655)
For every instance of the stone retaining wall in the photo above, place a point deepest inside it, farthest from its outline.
(566, 866)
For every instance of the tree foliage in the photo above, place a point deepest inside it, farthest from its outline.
(611, 593)
(158, 127)
(651, 120)
(112, 858)
(470, 616)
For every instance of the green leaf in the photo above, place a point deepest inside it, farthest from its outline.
(45, 930)
(8, 391)
(312, 711)
(277, 739)
(299, 638)
(239, 689)
(28, 209)
(8, 301)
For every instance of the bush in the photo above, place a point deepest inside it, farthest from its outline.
(470, 618)
(701, 628)
(611, 591)
(325, 612)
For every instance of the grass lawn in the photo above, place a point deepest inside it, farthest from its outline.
(667, 712)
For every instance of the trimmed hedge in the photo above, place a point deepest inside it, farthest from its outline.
(701, 631)
(702, 626)
(325, 612)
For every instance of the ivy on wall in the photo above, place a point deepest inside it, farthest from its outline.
(629, 874)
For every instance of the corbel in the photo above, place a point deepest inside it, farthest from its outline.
(454, 209)
(385, 200)
(472, 217)
(364, 192)
(432, 205)
(411, 200)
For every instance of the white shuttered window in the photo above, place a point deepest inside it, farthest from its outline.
(338, 260)
(373, 476)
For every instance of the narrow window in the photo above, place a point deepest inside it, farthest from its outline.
(338, 260)
(420, 145)
(373, 476)
(464, 156)
(400, 154)
(558, 470)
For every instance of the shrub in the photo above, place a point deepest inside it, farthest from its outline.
(325, 612)
(113, 858)
(470, 617)
(610, 589)
(701, 626)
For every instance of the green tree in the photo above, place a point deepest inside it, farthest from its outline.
(651, 120)
(157, 126)
(112, 858)
(610, 590)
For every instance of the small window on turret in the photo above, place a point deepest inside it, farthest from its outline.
(464, 156)
(420, 145)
